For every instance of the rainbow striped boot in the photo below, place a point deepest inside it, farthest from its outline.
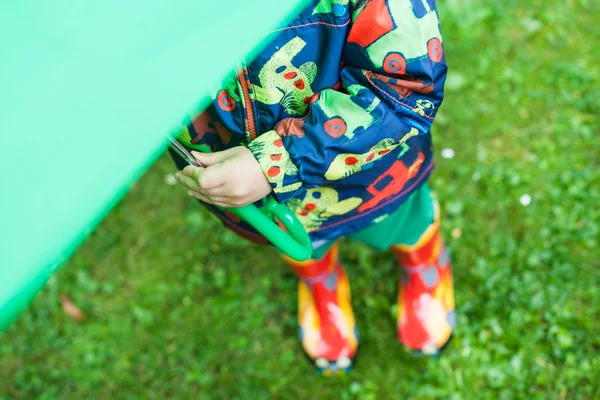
(326, 321)
(426, 315)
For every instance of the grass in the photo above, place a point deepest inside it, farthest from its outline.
(179, 307)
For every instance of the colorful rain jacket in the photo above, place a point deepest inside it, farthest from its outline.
(337, 109)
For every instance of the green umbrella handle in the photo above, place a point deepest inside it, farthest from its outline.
(293, 241)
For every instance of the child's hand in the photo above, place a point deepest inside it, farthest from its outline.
(231, 178)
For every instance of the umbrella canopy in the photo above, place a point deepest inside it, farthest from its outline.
(88, 90)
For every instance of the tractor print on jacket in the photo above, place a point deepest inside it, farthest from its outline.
(400, 25)
(391, 182)
(282, 83)
(319, 205)
(359, 110)
(345, 165)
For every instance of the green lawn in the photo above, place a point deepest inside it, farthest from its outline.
(179, 307)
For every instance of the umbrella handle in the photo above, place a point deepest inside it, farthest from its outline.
(293, 241)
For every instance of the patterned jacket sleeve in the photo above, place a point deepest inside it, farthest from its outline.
(391, 87)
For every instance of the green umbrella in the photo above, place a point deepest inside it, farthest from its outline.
(88, 91)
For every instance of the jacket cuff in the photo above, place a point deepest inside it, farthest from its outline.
(277, 165)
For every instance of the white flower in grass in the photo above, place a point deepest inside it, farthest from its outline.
(525, 200)
(448, 153)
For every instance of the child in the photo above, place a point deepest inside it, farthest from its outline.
(333, 118)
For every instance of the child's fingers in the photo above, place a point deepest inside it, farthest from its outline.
(188, 182)
(209, 159)
(217, 201)
(194, 173)
(208, 178)
(213, 158)
(199, 196)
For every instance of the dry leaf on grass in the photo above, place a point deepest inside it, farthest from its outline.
(456, 233)
(71, 309)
